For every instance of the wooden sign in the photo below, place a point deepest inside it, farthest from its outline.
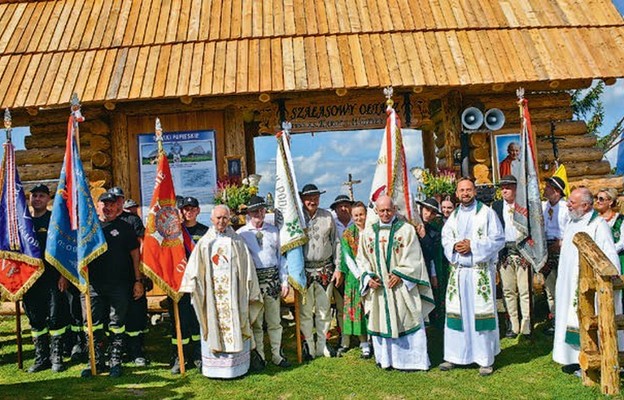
(332, 113)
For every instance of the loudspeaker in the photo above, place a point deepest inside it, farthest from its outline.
(494, 119)
(472, 118)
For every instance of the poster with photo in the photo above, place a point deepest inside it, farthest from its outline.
(192, 160)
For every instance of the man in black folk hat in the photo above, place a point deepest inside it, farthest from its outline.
(430, 238)
(263, 242)
(321, 256)
(341, 211)
(556, 217)
(514, 269)
(44, 303)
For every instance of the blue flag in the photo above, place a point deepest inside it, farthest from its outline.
(75, 236)
(20, 255)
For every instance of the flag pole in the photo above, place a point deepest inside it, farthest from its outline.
(75, 111)
(176, 313)
(18, 309)
(18, 329)
(176, 309)
(298, 327)
(90, 330)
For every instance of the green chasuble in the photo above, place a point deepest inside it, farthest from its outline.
(353, 322)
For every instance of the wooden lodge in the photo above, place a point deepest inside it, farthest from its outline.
(240, 67)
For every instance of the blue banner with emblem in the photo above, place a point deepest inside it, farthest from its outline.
(75, 236)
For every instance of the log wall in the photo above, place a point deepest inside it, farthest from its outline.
(584, 162)
(45, 147)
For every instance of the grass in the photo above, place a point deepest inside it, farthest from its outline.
(523, 370)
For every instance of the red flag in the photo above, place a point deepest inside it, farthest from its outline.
(164, 256)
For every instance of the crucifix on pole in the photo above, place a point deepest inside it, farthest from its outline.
(552, 139)
(349, 183)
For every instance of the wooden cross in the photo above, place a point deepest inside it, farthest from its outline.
(350, 184)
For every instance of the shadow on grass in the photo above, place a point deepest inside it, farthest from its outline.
(130, 385)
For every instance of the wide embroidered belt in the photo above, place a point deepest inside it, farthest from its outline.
(268, 279)
(319, 271)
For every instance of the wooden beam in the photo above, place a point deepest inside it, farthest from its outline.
(119, 147)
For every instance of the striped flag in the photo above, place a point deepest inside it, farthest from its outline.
(528, 216)
(391, 175)
(20, 254)
(75, 236)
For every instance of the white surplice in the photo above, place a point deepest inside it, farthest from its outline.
(221, 277)
(469, 345)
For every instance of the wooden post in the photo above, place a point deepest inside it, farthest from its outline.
(588, 337)
(609, 366)
(298, 327)
(176, 313)
(18, 331)
(90, 330)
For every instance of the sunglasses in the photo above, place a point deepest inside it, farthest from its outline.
(601, 199)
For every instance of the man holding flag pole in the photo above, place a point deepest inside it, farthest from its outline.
(20, 258)
(164, 255)
(75, 237)
(291, 223)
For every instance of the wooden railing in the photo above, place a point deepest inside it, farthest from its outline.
(599, 357)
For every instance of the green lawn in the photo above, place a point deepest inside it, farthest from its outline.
(522, 371)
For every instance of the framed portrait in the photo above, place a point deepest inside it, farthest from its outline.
(506, 149)
(234, 166)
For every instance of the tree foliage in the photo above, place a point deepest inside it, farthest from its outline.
(587, 105)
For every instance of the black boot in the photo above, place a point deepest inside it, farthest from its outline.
(100, 364)
(42, 353)
(116, 352)
(197, 355)
(56, 354)
(79, 351)
(135, 350)
(69, 340)
(175, 364)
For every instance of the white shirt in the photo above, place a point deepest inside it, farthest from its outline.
(555, 219)
(264, 245)
(511, 233)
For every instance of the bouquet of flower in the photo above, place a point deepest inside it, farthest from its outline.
(233, 193)
(444, 184)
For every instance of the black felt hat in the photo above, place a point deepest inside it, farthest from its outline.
(310, 189)
(557, 183)
(431, 204)
(508, 180)
(255, 203)
(341, 198)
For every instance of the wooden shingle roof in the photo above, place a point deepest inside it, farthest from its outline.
(143, 49)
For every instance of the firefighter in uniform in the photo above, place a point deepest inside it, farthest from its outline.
(189, 209)
(136, 320)
(114, 279)
(44, 302)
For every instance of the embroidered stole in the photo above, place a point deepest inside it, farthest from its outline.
(484, 300)
(225, 289)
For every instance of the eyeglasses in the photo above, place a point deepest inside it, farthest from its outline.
(601, 199)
